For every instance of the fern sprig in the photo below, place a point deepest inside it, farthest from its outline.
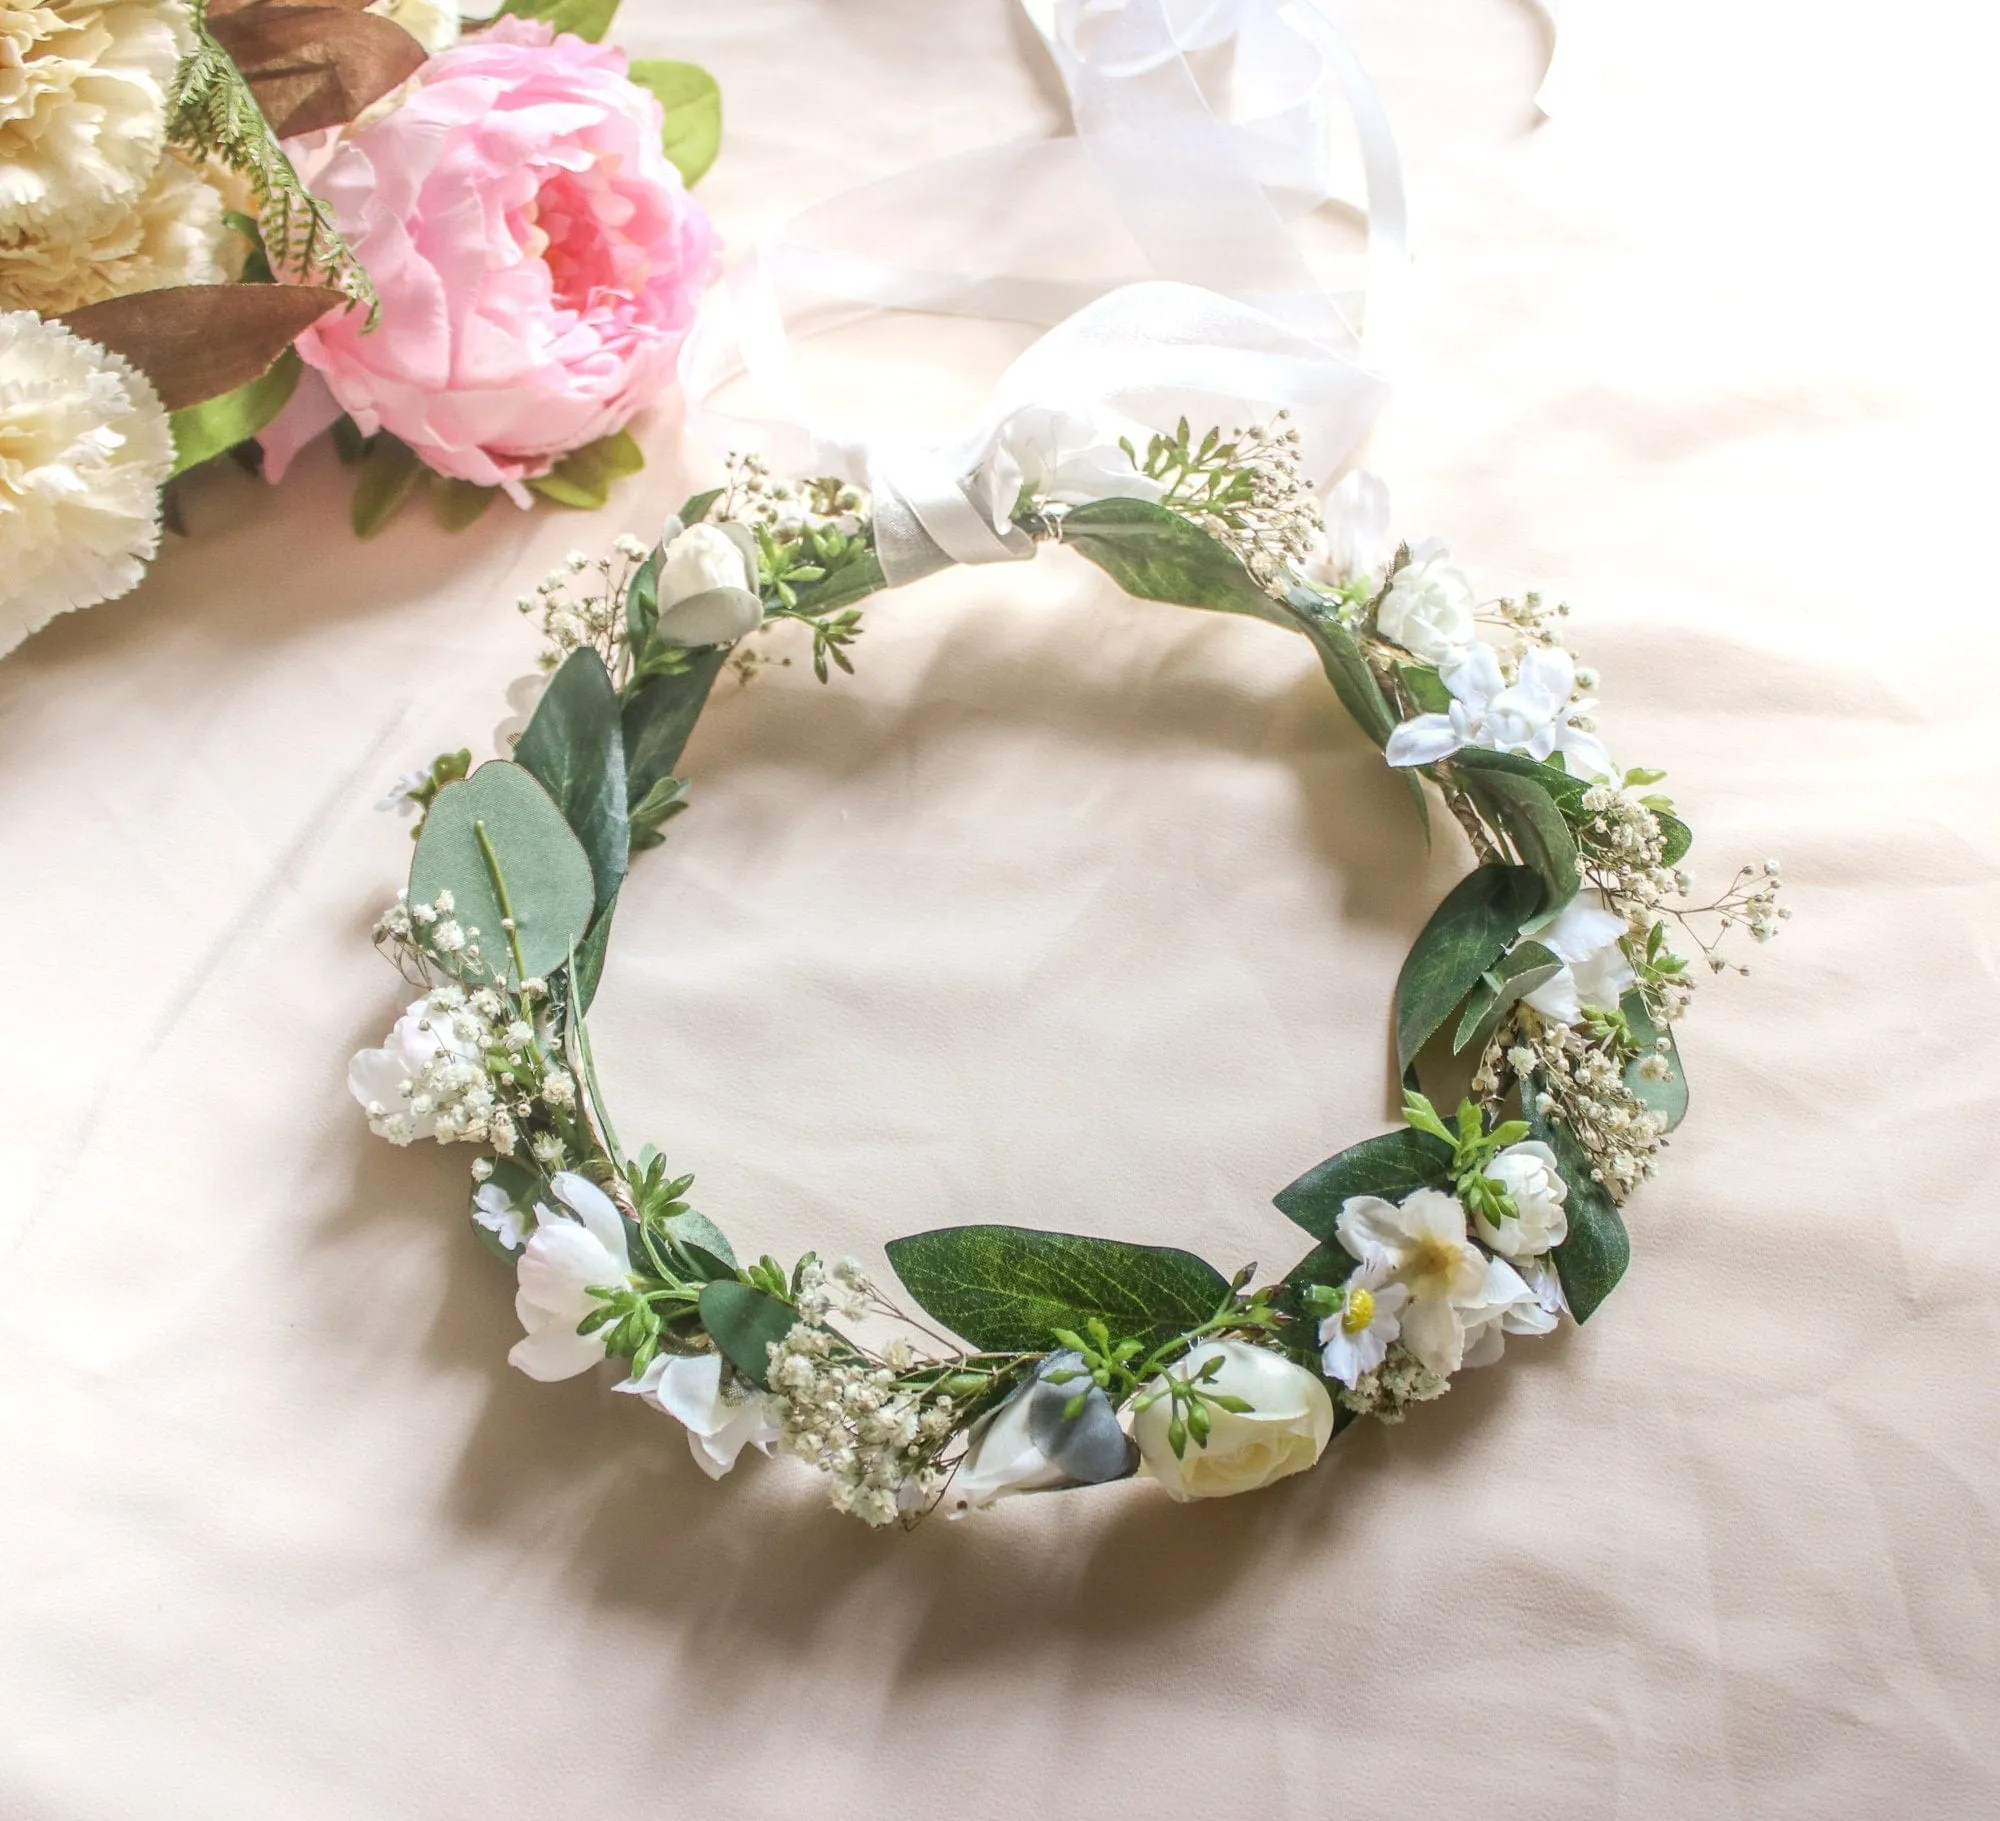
(213, 114)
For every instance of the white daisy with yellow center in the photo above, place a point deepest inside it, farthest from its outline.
(1422, 1246)
(1354, 1338)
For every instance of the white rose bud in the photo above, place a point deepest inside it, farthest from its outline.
(1428, 609)
(708, 590)
(1285, 1430)
(1528, 1173)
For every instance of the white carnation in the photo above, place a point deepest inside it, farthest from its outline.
(83, 95)
(175, 236)
(84, 449)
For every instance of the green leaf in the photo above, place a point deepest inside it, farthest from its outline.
(460, 503)
(589, 19)
(590, 953)
(1426, 687)
(642, 604)
(1678, 838)
(659, 719)
(573, 745)
(853, 581)
(546, 871)
(705, 1243)
(1565, 787)
(664, 801)
(691, 130)
(1512, 978)
(522, 1186)
(745, 1325)
(1594, 1256)
(1531, 815)
(204, 431)
(1671, 1095)
(1390, 1166)
(1007, 1289)
(390, 473)
(695, 508)
(1157, 555)
(584, 477)
(1347, 670)
(1477, 923)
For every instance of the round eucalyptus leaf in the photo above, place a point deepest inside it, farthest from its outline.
(1090, 1447)
(500, 831)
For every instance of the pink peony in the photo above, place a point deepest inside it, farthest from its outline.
(538, 258)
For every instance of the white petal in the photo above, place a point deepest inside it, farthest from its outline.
(1370, 1230)
(1423, 741)
(1475, 677)
(1583, 928)
(1556, 997)
(1587, 755)
(555, 1352)
(690, 1390)
(1549, 673)
(598, 1212)
(1434, 1332)
(560, 1267)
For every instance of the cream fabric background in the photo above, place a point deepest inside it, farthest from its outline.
(1073, 911)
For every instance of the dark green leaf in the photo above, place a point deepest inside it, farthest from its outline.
(691, 106)
(1678, 838)
(652, 812)
(696, 507)
(574, 746)
(745, 1325)
(206, 430)
(390, 473)
(1565, 787)
(1477, 923)
(1532, 819)
(590, 953)
(658, 720)
(852, 581)
(1347, 670)
(1158, 556)
(460, 503)
(1426, 687)
(1391, 1166)
(703, 1241)
(642, 604)
(1007, 1289)
(1513, 977)
(1594, 1256)
(546, 871)
(1671, 1095)
(589, 19)
(584, 477)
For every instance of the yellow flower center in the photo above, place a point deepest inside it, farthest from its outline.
(1433, 1260)
(1360, 1311)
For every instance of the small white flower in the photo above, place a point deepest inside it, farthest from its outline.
(566, 1258)
(1588, 938)
(1422, 1245)
(1285, 1430)
(708, 589)
(1528, 1173)
(84, 450)
(1505, 1304)
(1355, 1338)
(494, 1209)
(1350, 545)
(720, 1419)
(383, 1080)
(402, 795)
(1428, 609)
(1533, 715)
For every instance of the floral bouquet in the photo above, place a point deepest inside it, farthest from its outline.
(231, 227)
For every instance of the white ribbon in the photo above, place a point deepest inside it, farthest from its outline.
(1155, 238)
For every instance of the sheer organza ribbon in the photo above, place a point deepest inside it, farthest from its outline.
(1155, 239)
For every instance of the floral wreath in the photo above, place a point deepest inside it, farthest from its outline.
(1543, 992)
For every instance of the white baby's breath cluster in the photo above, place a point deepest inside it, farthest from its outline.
(1386, 1392)
(582, 602)
(787, 509)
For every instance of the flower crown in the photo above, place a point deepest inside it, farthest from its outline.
(1545, 989)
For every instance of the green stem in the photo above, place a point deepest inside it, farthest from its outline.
(506, 903)
(581, 1032)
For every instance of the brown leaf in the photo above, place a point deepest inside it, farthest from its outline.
(196, 342)
(218, 8)
(315, 66)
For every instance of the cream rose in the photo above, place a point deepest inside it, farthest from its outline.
(708, 587)
(1284, 1431)
(1529, 1175)
(1428, 609)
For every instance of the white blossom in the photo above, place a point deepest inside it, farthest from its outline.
(84, 450)
(1429, 606)
(1285, 1430)
(1053, 456)
(1031, 1443)
(494, 1210)
(1422, 1245)
(429, 1080)
(1350, 545)
(570, 1254)
(708, 589)
(1533, 715)
(1355, 1338)
(1527, 1171)
(721, 1418)
(1587, 936)
(1504, 1304)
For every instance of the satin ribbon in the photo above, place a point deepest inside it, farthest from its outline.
(1225, 323)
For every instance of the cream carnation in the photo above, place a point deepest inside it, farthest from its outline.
(84, 449)
(83, 95)
(174, 237)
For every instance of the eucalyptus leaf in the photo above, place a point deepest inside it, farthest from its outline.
(1391, 1166)
(1533, 821)
(204, 431)
(544, 868)
(390, 474)
(1594, 1256)
(1347, 670)
(588, 19)
(691, 109)
(1671, 1095)
(745, 1324)
(588, 971)
(1157, 555)
(1476, 924)
(1007, 1289)
(642, 598)
(575, 748)
(699, 1236)
(658, 720)
(1509, 980)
